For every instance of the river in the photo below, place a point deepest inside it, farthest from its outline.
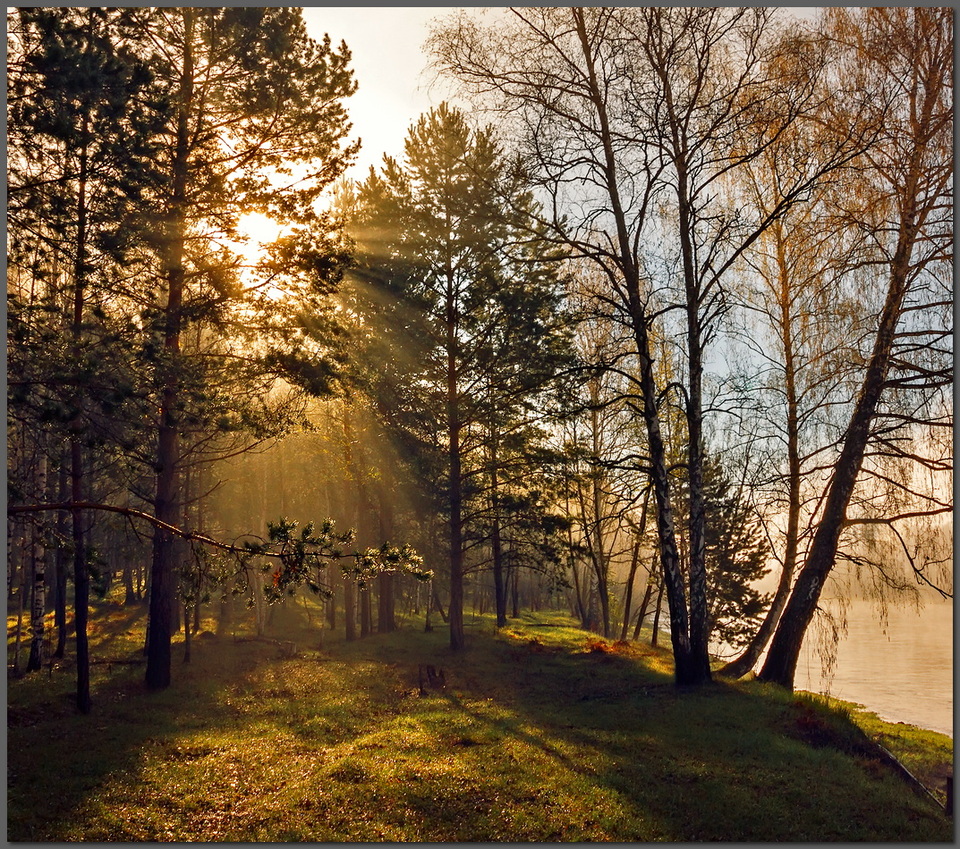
(901, 669)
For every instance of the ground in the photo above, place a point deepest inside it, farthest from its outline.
(540, 733)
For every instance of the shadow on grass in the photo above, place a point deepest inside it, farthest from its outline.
(59, 760)
(535, 737)
(710, 764)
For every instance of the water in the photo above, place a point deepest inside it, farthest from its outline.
(902, 670)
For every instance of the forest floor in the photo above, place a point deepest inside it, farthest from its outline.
(542, 732)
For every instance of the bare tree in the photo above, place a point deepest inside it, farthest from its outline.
(798, 365)
(902, 207)
(629, 121)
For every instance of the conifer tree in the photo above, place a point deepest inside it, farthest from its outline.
(251, 96)
(217, 112)
(80, 156)
(444, 245)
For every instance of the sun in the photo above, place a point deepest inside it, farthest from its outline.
(256, 230)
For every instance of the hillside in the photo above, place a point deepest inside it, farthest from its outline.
(540, 733)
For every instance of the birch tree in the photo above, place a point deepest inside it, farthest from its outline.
(628, 120)
(902, 206)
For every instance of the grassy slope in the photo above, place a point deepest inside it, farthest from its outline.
(542, 733)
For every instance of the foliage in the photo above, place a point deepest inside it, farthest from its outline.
(460, 307)
(737, 557)
(301, 558)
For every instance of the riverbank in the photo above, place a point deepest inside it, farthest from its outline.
(537, 733)
(897, 662)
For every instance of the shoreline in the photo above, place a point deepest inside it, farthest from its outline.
(858, 708)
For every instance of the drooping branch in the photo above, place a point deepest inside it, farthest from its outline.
(130, 512)
(293, 551)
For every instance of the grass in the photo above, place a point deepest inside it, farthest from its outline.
(542, 733)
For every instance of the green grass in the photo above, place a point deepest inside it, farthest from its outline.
(542, 733)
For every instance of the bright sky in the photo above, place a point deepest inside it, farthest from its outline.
(395, 85)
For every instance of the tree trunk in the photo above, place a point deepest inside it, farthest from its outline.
(366, 623)
(699, 618)
(225, 617)
(21, 604)
(439, 605)
(427, 624)
(457, 639)
(655, 636)
(386, 602)
(781, 662)
(259, 604)
(129, 594)
(634, 563)
(603, 595)
(166, 507)
(642, 613)
(187, 640)
(496, 544)
(599, 554)
(582, 606)
(38, 557)
(81, 578)
(751, 654)
(689, 669)
(349, 609)
(332, 602)
(61, 565)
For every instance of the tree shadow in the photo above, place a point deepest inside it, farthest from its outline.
(712, 763)
(58, 759)
(709, 764)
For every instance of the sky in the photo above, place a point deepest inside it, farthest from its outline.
(395, 84)
(390, 67)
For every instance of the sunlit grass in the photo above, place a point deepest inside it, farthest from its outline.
(542, 733)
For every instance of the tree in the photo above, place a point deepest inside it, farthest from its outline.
(80, 150)
(526, 359)
(250, 95)
(799, 366)
(621, 113)
(601, 446)
(737, 551)
(903, 58)
(174, 123)
(439, 238)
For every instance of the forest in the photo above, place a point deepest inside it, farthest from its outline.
(648, 332)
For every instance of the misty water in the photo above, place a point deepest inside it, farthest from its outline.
(901, 668)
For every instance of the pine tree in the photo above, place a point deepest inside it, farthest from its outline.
(737, 554)
(252, 97)
(462, 300)
(80, 152)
